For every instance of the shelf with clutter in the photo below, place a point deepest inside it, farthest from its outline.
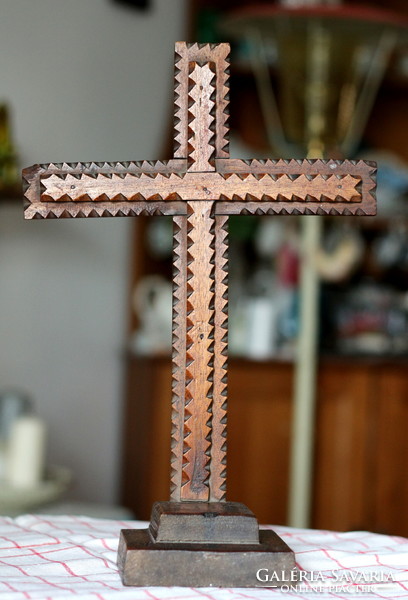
(364, 310)
(363, 266)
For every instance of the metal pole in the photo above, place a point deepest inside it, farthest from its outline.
(302, 446)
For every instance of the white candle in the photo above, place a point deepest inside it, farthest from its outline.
(262, 332)
(26, 452)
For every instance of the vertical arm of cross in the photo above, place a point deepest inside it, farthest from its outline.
(198, 463)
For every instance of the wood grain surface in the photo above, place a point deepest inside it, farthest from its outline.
(200, 187)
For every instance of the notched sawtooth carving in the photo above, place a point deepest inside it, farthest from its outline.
(199, 352)
(43, 201)
(201, 117)
(172, 187)
(179, 353)
(200, 187)
(219, 406)
(365, 171)
(201, 53)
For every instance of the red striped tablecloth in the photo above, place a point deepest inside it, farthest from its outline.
(75, 557)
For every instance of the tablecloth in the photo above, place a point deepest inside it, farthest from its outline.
(75, 557)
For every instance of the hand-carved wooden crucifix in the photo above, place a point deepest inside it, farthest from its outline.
(200, 187)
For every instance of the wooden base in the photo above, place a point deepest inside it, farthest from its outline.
(145, 561)
(203, 522)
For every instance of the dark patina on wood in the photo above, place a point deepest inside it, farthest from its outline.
(203, 522)
(200, 187)
(203, 565)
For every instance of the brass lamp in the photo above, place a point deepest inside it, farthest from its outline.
(328, 61)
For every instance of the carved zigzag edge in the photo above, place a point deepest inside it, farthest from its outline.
(219, 407)
(177, 167)
(366, 170)
(199, 364)
(35, 209)
(222, 99)
(89, 210)
(133, 166)
(285, 165)
(195, 116)
(180, 127)
(218, 54)
(179, 353)
(310, 188)
(273, 208)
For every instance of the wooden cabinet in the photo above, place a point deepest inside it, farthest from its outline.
(146, 435)
(361, 448)
(390, 447)
(259, 417)
(342, 451)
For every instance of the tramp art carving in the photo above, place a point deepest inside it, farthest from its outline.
(198, 538)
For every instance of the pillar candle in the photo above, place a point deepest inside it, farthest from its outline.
(26, 452)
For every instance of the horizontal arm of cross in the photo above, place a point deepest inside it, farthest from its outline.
(237, 186)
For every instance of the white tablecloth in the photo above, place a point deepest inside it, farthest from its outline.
(75, 557)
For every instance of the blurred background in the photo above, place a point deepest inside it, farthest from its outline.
(318, 306)
(82, 81)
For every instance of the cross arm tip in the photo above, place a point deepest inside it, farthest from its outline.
(182, 47)
(28, 173)
(30, 179)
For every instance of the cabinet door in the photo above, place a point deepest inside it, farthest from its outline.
(342, 488)
(146, 435)
(259, 427)
(390, 452)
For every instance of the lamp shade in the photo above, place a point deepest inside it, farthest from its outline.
(318, 69)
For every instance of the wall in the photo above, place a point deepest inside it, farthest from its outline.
(87, 80)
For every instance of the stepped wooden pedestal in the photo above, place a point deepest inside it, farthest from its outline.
(199, 544)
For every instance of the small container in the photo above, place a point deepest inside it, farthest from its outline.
(26, 452)
(13, 404)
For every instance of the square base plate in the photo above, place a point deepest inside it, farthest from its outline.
(144, 562)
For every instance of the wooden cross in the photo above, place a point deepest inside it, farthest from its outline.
(200, 187)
